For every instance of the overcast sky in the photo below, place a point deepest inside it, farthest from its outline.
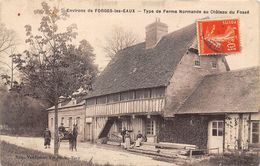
(95, 26)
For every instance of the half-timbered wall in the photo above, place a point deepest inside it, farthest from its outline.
(153, 106)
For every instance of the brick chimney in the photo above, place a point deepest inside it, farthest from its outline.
(154, 32)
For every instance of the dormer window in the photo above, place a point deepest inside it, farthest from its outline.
(213, 65)
(197, 63)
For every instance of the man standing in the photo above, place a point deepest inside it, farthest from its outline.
(47, 138)
(71, 139)
(75, 135)
(123, 134)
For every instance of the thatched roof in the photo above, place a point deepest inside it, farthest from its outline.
(230, 92)
(136, 67)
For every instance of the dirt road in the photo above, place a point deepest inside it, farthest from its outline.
(87, 151)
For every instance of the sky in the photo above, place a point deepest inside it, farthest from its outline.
(94, 27)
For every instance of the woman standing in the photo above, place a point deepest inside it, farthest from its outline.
(127, 140)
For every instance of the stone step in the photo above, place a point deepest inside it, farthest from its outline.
(113, 143)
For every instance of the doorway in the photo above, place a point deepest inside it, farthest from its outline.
(88, 132)
(216, 136)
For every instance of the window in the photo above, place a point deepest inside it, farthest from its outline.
(102, 100)
(142, 94)
(62, 120)
(217, 128)
(150, 127)
(197, 62)
(78, 121)
(51, 122)
(255, 132)
(91, 101)
(157, 92)
(213, 65)
(70, 122)
(127, 96)
(113, 98)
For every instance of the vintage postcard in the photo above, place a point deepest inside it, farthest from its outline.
(129, 82)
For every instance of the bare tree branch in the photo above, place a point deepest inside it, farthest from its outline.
(118, 40)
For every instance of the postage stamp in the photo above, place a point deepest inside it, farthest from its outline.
(218, 36)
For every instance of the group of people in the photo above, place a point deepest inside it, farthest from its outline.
(126, 139)
(71, 136)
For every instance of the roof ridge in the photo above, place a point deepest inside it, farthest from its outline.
(187, 98)
(235, 71)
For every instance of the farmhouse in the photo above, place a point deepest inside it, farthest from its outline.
(164, 89)
(70, 112)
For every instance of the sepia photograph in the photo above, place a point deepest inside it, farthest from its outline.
(129, 83)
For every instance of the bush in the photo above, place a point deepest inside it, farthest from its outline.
(23, 131)
(233, 159)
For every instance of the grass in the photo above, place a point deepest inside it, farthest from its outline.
(12, 155)
(233, 159)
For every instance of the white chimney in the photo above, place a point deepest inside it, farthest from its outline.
(154, 32)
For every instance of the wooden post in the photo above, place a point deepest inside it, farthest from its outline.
(249, 129)
(190, 153)
(240, 129)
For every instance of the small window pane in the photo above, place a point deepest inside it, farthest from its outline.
(255, 138)
(197, 63)
(91, 101)
(220, 132)
(214, 132)
(101, 100)
(141, 94)
(157, 92)
(113, 98)
(220, 125)
(127, 96)
(255, 127)
(214, 65)
(214, 125)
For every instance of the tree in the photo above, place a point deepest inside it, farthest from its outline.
(53, 67)
(7, 46)
(9, 78)
(118, 40)
(7, 38)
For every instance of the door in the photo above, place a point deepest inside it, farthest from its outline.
(216, 136)
(88, 132)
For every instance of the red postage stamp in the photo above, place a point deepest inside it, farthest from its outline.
(218, 36)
